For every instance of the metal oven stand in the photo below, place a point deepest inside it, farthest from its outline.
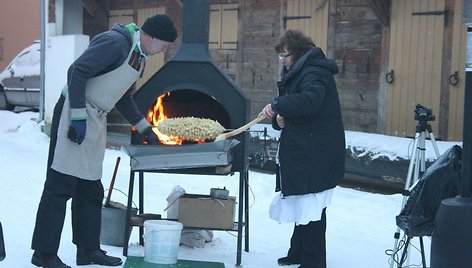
(242, 221)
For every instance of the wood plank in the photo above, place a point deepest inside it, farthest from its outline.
(381, 9)
(401, 99)
(349, 3)
(359, 28)
(310, 17)
(415, 64)
(391, 65)
(456, 93)
(435, 89)
(229, 27)
(97, 11)
(123, 16)
(416, 58)
(353, 13)
(157, 61)
(215, 27)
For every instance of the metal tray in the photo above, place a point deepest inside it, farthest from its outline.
(162, 157)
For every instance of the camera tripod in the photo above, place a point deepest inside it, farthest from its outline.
(416, 167)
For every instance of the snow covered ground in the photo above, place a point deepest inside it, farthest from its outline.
(360, 224)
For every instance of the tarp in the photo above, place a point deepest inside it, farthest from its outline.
(440, 181)
(138, 262)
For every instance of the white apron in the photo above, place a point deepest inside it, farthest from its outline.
(298, 209)
(102, 93)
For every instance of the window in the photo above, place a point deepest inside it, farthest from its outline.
(223, 26)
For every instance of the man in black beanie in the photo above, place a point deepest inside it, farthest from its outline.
(99, 80)
(159, 28)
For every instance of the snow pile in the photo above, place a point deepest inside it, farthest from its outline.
(373, 146)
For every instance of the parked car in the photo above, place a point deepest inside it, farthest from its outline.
(20, 81)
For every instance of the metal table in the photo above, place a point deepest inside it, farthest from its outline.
(207, 159)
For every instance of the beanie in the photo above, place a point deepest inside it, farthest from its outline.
(160, 27)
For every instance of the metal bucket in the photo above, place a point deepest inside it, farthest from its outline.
(113, 226)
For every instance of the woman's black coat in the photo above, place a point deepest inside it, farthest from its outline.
(312, 145)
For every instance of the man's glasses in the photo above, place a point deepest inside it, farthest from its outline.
(283, 56)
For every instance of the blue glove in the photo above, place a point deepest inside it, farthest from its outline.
(77, 131)
(151, 137)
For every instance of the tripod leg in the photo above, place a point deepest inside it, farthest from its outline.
(405, 251)
(422, 154)
(423, 258)
(413, 159)
(395, 245)
(435, 145)
(406, 191)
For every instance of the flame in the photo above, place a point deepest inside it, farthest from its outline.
(157, 114)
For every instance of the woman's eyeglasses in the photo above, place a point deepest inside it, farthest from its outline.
(283, 56)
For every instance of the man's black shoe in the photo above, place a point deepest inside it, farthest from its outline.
(47, 260)
(288, 261)
(100, 257)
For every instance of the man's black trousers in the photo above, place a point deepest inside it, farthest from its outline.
(87, 197)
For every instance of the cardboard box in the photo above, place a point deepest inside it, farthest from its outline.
(206, 212)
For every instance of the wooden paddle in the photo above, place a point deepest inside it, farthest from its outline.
(112, 184)
(235, 132)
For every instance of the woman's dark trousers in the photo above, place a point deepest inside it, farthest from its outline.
(308, 243)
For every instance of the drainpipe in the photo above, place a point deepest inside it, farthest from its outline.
(451, 242)
(42, 24)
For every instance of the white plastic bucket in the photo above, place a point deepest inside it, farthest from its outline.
(161, 241)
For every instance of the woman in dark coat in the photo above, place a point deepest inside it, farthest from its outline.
(311, 149)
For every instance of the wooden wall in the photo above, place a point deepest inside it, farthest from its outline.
(354, 38)
(354, 44)
(259, 64)
(427, 46)
(353, 41)
(357, 52)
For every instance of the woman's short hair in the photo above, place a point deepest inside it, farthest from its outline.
(295, 42)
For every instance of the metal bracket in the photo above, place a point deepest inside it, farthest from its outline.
(454, 78)
(390, 76)
(286, 18)
(434, 13)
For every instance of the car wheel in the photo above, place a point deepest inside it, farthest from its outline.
(4, 105)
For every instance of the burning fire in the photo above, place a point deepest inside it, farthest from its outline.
(157, 114)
